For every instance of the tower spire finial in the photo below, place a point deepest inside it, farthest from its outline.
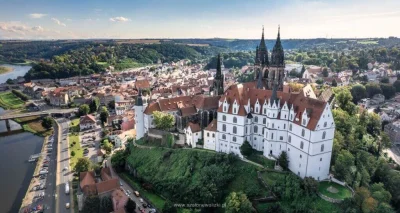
(262, 35)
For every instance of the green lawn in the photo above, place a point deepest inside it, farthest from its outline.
(271, 177)
(34, 124)
(155, 199)
(9, 101)
(342, 193)
(73, 137)
(260, 159)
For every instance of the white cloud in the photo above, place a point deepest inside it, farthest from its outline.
(119, 19)
(37, 15)
(38, 28)
(58, 22)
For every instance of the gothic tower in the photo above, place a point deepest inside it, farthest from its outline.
(276, 73)
(261, 60)
(139, 116)
(218, 84)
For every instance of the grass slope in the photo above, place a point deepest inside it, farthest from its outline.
(342, 193)
(33, 124)
(9, 101)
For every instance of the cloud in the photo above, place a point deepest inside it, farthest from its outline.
(119, 19)
(37, 15)
(38, 28)
(58, 22)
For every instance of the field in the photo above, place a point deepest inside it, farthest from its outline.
(334, 190)
(9, 101)
(34, 124)
(73, 137)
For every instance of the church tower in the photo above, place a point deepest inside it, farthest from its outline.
(139, 116)
(276, 73)
(218, 84)
(261, 61)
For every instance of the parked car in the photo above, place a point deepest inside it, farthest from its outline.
(141, 200)
(136, 193)
(144, 205)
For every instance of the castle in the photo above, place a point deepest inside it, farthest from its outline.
(260, 112)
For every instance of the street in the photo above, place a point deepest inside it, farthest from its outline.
(64, 172)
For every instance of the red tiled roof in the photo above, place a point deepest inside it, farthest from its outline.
(242, 93)
(106, 186)
(194, 127)
(119, 200)
(212, 126)
(142, 84)
(87, 119)
(86, 178)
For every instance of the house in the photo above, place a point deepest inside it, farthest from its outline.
(192, 134)
(59, 97)
(87, 122)
(312, 72)
(142, 84)
(121, 137)
(393, 130)
(119, 200)
(210, 135)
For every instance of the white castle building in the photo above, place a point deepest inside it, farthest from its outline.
(260, 112)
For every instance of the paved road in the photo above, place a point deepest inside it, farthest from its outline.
(65, 176)
(50, 111)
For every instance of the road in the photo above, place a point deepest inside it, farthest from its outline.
(63, 176)
(48, 112)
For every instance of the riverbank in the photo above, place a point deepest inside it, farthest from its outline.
(4, 70)
(33, 124)
(30, 194)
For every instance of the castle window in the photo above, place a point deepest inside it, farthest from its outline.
(325, 124)
(213, 135)
(234, 120)
(264, 120)
(285, 116)
(234, 129)
(320, 159)
(290, 127)
(273, 115)
(263, 131)
(256, 119)
(273, 125)
(304, 122)
(246, 130)
(281, 138)
(256, 109)
(265, 111)
(224, 127)
(303, 132)
(280, 146)
(224, 108)
(284, 126)
(272, 135)
(301, 156)
(208, 134)
(224, 117)
(255, 129)
(223, 136)
(322, 147)
(288, 149)
(301, 145)
(323, 135)
(290, 139)
(234, 139)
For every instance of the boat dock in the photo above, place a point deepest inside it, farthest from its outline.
(34, 157)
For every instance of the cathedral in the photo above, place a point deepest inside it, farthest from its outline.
(271, 119)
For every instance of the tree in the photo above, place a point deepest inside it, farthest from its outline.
(163, 120)
(384, 208)
(91, 204)
(334, 83)
(345, 99)
(47, 122)
(325, 72)
(358, 92)
(396, 85)
(373, 124)
(94, 104)
(283, 160)
(130, 206)
(388, 90)
(373, 89)
(104, 114)
(83, 165)
(379, 193)
(106, 205)
(369, 205)
(107, 146)
(10, 81)
(84, 109)
(344, 165)
(238, 202)
(72, 153)
(118, 160)
(111, 104)
(310, 185)
(169, 208)
(246, 149)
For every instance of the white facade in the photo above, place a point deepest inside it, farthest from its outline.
(86, 126)
(304, 128)
(210, 139)
(139, 120)
(192, 137)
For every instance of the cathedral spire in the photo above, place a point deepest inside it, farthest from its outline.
(219, 70)
(262, 45)
(218, 85)
(260, 80)
(277, 57)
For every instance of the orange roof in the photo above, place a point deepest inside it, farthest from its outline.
(87, 178)
(106, 186)
(142, 84)
(119, 200)
(194, 127)
(212, 126)
(242, 93)
(87, 119)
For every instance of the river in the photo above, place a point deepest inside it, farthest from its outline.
(18, 70)
(16, 171)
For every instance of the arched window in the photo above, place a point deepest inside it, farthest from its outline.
(322, 147)
(302, 145)
(234, 139)
(213, 135)
(224, 127)
(208, 134)
(290, 139)
(256, 119)
(273, 125)
(325, 124)
(303, 132)
(264, 120)
(255, 129)
(234, 129)
(234, 120)
(224, 117)
(323, 135)
(224, 136)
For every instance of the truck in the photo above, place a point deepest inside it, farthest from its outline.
(66, 188)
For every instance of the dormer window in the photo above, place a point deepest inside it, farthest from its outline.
(325, 124)
(224, 108)
(234, 120)
(304, 121)
(265, 111)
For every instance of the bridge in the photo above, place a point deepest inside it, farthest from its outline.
(12, 115)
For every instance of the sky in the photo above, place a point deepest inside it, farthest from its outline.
(242, 19)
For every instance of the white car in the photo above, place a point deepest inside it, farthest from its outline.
(141, 200)
(67, 205)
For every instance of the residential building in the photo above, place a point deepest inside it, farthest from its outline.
(210, 135)
(193, 134)
(87, 122)
(393, 130)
